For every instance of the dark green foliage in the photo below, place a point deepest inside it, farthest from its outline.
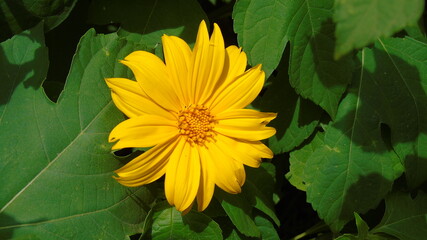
(348, 80)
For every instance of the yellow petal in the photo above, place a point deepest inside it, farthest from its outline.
(143, 131)
(208, 62)
(131, 100)
(234, 66)
(215, 60)
(245, 152)
(258, 118)
(245, 124)
(240, 172)
(207, 184)
(236, 62)
(177, 57)
(224, 168)
(182, 176)
(199, 53)
(240, 92)
(152, 76)
(246, 133)
(147, 167)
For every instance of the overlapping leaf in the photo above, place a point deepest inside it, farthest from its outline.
(168, 223)
(256, 195)
(298, 160)
(18, 16)
(261, 30)
(313, 71)
(146, 21)
(56, 165)
(385, 108)
(297, 117)
(361, 22)
(405, 217)
(403, 77)
(308, 25)
(239, 211)
(259, 188)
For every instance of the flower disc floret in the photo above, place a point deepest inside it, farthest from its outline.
(196, 122)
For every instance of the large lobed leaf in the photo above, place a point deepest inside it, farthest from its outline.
(405, 218)
(264, 28)
(56, 167)
(403, 77)
(298, 161)
(261, 31)
(386, 108)
(313, 71)
(361, 22)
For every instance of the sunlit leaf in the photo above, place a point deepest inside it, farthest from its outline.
(313, 71)
(298, 160)
(361, 22)
(266, 228)
(268, 232)
(168, 223)
(239, 211)
(356, 167)
(56, 166)
(264, 28)
(417, 32)
(402, 76)
(261, 30)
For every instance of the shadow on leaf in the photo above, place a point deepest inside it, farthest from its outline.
(31, 70)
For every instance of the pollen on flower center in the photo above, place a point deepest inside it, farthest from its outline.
(196, 123)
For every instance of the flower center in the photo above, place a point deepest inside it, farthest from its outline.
(196, 122)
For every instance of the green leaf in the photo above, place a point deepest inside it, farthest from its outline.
(264, 28)
(417, 32)
(266, 228)
(146, 21)
(239, 211)
(298, 160)
(361, 22)
(255, 192)
(18, 16)
(403, 79)
(168, 223)
(390, 93)
(297, 117)
(349, 236)
(405, 217)
(362, 227)
(268, 232)
(313, 71)
(362, 231)
(356, 166)
(261, 31)
(263, 178)
(56, 166)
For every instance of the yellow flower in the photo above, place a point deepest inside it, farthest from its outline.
(191, 109)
